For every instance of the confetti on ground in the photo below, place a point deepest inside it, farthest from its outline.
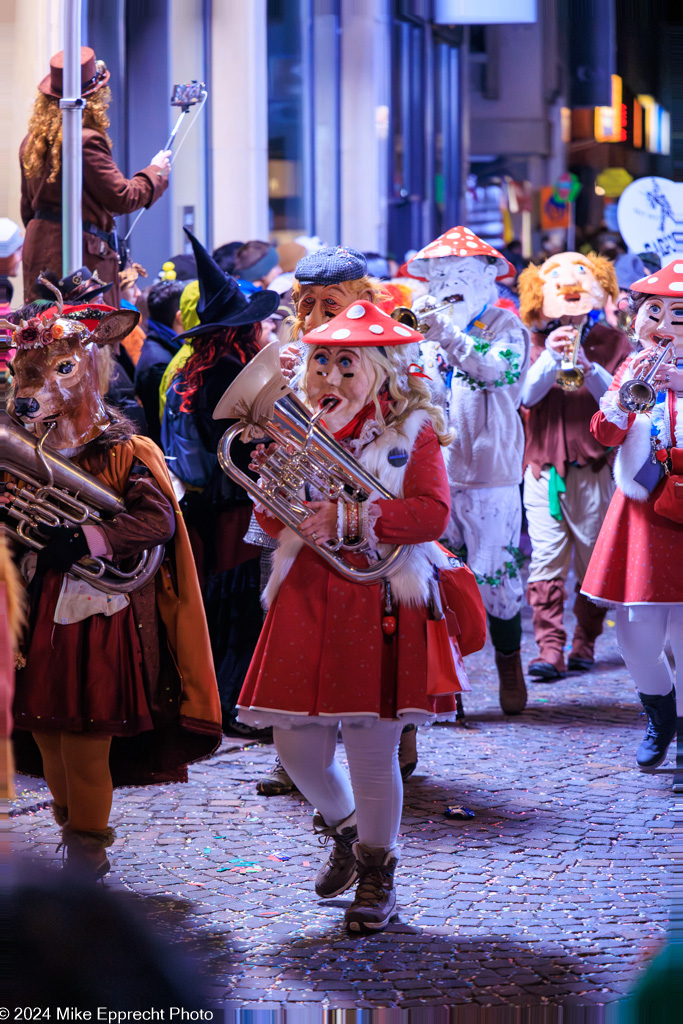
(461, 813)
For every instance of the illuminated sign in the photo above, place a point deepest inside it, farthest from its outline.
(484, 12)
(657, 126)
(637, 125)
(608, 120)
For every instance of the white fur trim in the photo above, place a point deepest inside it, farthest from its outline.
(632, 455)
(410, 585)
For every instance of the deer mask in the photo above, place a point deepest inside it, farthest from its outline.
(55, 368)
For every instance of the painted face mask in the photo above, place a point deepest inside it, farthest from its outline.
(570, 287)
(465, 282)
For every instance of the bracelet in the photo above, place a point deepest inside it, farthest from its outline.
(340, 520)
(352, 533)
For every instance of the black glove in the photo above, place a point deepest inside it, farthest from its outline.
(66, 545)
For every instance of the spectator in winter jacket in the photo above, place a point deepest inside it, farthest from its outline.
(163, 326)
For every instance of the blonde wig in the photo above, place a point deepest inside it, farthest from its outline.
(530, 287)
(407, 391)
(45, 131)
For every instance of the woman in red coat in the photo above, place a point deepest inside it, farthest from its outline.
(636, 564)
(324, 655)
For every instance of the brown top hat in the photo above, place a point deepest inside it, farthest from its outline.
(94, 74)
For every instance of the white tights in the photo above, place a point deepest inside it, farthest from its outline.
(375, 788)
(641, 635)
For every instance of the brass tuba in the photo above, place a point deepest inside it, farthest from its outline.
(638, 394)
(267, 408)
(41, 488)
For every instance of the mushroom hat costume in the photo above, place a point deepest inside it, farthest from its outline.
(481, 352)
(323, 657)
(636, 563)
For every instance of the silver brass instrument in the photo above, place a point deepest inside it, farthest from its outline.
(405, 315)
(570, 376)
(638, 394)
(306, 454)
(45, 489)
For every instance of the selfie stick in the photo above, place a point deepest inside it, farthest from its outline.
(196, 96)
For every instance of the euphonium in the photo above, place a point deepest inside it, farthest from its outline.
(305, 454)
(41, 488)
(638, 394)
(405, 315)
(570, 376)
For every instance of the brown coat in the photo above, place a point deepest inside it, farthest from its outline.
(558, 427)
(106, 194)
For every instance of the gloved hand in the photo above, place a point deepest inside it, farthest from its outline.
(66, 545)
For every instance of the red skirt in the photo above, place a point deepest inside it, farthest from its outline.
(82, 677)
(322, 651)
(638, 556)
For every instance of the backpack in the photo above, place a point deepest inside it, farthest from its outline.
(186, 453)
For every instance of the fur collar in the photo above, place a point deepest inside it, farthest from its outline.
(410, 585)
(632, 455)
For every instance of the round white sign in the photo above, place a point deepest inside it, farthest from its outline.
(650, 217)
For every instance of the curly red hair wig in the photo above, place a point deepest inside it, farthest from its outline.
(242, 342)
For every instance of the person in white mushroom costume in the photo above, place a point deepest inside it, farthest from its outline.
(481, 354)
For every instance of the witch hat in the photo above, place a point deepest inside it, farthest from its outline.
(221, 303)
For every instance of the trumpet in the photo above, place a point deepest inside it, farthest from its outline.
(404, 315)
(570, 376)
(638, 394)
(306, 454)
(41, 488)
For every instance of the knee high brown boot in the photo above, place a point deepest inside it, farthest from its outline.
(85, 852)
(546, 598)
(60, 814)
(589, 622)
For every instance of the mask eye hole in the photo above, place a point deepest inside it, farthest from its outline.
(65, 368)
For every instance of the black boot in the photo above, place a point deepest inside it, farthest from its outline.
(661, 728)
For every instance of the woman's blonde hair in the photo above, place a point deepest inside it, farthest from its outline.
(45, 130)
(407, 391)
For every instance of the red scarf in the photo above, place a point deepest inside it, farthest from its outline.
(352, 430)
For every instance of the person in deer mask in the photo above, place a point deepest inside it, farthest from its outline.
(115, 688)
(636, 562)
(567, 479)
(481, 353)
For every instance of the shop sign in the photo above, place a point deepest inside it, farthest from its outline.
(650, 216)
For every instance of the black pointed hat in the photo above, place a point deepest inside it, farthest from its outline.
(221, 303)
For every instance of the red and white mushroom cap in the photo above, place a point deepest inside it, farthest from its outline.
(362, 324)
(668, 281)
(458, 241)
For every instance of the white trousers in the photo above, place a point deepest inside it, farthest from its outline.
(488, 522)
(375, 786)
(641, 635)
(584, 506)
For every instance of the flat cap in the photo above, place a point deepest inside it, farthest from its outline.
(331, 266)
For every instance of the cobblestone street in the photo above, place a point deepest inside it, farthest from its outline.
(556, 892)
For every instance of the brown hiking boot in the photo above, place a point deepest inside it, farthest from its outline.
(407, 751)
(589, 622)
(276, 783)
(340, 870)
(85, 852)
(512, 688)
(375, 901)
(547, 598)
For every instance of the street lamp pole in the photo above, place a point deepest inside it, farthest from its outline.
(72, 140)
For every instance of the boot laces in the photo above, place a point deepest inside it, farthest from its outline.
(372, 887)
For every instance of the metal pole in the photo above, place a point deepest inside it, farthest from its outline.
(72, 141)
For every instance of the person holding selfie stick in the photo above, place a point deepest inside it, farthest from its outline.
(106, 192)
